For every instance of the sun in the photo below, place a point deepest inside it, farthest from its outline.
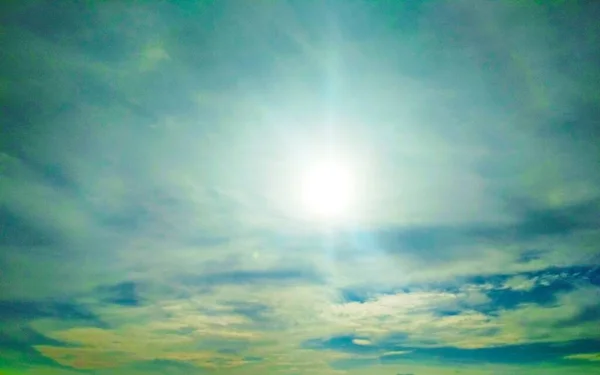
(327, 190)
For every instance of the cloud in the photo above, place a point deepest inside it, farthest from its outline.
(149, 159)
(585, 357)
(520, 283)
(395, 353)
(361, 342)
(124, 294)
(19, 311)
(98, 348)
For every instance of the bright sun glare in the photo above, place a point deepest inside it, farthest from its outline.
(327, 190)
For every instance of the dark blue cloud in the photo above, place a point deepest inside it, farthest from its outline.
(65, 28)
(541, 295)
(49, 173)
(526, 353)
(123, 294)
(20, 336)
(430, 242)
(22, 310)
(126, 220)
(236, 346)
(556, 221)
(586, 315)
(354, 295)
(20, 339)
(548, 284)
(139, 212)
(589, 274)
(529, 255)
(253, 277)
(228, 351)
(365, 293)
(253, 359)
(254, 311)
(17, 231)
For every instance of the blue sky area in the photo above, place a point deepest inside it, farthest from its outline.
(151, 163)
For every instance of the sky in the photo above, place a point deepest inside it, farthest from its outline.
(151, 154)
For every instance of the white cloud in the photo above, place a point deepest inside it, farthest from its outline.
(593, 357)
(520, 283)
(361, 342)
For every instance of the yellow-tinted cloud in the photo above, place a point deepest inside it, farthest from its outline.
(594, 357)
(85, 358)
(362, 342)
(99, 348)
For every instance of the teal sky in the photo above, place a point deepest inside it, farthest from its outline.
(151, 159)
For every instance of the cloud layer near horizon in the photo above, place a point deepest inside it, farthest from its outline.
(149, 156)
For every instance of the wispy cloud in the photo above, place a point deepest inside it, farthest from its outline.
(149, 218)
(585, 357)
